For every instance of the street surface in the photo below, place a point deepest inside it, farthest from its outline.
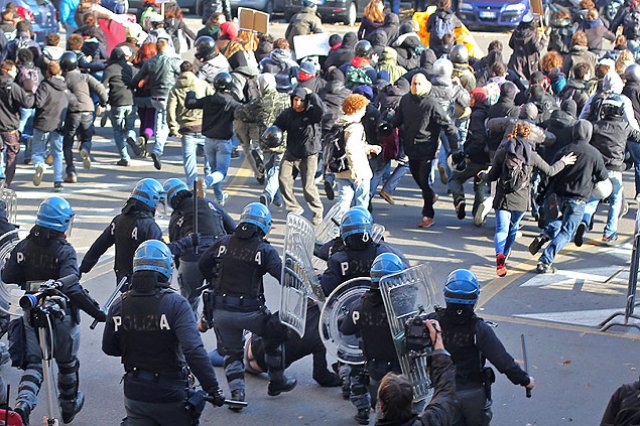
(576, 366)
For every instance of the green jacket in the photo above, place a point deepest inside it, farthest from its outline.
(180, 118)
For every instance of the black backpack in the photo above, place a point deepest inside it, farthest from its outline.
(516, 172)
(334, 149)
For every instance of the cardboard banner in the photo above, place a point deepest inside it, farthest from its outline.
(254, 20)
(311, 45)
(536, 7)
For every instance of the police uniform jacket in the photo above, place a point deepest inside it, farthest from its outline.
(236, 263)
(154, 331)
(46, 255)
(348, 263)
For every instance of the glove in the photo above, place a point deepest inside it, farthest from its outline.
(100, 317)
(217, 397)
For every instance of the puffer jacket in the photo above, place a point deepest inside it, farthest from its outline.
(356, 150)
(180, 118)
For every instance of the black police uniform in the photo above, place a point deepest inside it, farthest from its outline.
(472, 342)
(213, 222)
(153, 329)
(45, 254)
(127, 231)
(235, 265)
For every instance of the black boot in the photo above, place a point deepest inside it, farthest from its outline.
(362, 417)
(285, 385)
(71, 407)
(237, 395)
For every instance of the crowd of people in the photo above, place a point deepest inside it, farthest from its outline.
(554, 126)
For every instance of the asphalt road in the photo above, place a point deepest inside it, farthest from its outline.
(576, 366)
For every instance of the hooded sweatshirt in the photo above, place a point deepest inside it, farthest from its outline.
(578, 181)
(355, 149)
(52, 99)
(180, 118)
(13, 97)
(344, 54)
(388, 65)
(611, 83)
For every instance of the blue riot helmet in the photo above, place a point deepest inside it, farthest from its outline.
(462, 287)
(153, 255)
(55, 213)
(149, 192)
(257, 214)
(356, 221)
(172, 187)
(385, 264)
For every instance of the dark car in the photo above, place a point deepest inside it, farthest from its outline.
(268, 6)
(40, 13)
(345, 11)
(497, 14)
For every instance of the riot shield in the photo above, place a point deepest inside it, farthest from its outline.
(336, 308)
(406, 294)
(10, 199)
(329, 228)
(377, 232)
(298, 279)
(9, 293)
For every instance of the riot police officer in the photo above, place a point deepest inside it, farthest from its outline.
(369, 318)
(213, 222)
(235, 265)
(129, 229)
(353, 256)
(45, 254)
(471, 343)
(153, 329)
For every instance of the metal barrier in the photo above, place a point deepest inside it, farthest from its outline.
(630, 306)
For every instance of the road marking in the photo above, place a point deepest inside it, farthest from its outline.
(599, 275)
(560, 326)
(588, 317)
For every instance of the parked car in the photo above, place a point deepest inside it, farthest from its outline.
(498, 14)
(41, 13)
(193, 6)
(268, 6)
(345, 11)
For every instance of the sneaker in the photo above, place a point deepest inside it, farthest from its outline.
(426, 222)
(235, 153)
(237, 395)
(57, 187)
(537, 244)
(23, 411)
(459, 206)
(286, 385)
(122, 162)
(482, 212)
(387, 197)
(442, 170)
(544, 268)
(136, 147)
(609, 238)
(71, 407)
(260, 179)
(37, 177)
(579, 237)
(103, 119)
(329, 189)
(222, 201)
(156, 161)
(362, 417)
(264, 200)
(86, 161)
(277, 202)
(71, 177)
(501, 267)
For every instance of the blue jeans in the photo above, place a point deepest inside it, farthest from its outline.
(445, 149)
(40, 140)
(162, 128)
(352, 195)
(272, 162)
(561, 230)
(26, 122)
(506, 229)
(379, 168)
(634, 150)
(218, 154)
(123, 121)
(190, 142)
(615, 204)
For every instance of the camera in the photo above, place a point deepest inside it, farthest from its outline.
(48, 300)
(416, 335)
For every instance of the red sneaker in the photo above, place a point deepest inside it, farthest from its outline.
(426, 222)
(501, 268)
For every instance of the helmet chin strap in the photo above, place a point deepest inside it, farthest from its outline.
(366, 237)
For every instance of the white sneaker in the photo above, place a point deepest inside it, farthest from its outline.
(482, 212)
(37, 177)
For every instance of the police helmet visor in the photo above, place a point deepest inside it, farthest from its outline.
(69, 230)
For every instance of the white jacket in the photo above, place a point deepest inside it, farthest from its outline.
(356, 150)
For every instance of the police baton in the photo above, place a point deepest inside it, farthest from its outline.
(195, 213)
(230, 402)
(112, 298)
(526, 363)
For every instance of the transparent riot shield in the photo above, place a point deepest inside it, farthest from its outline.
(407, 294)
(336, 308)
(329, 228)
(298, 279)
(10, 199)
(9, 293)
